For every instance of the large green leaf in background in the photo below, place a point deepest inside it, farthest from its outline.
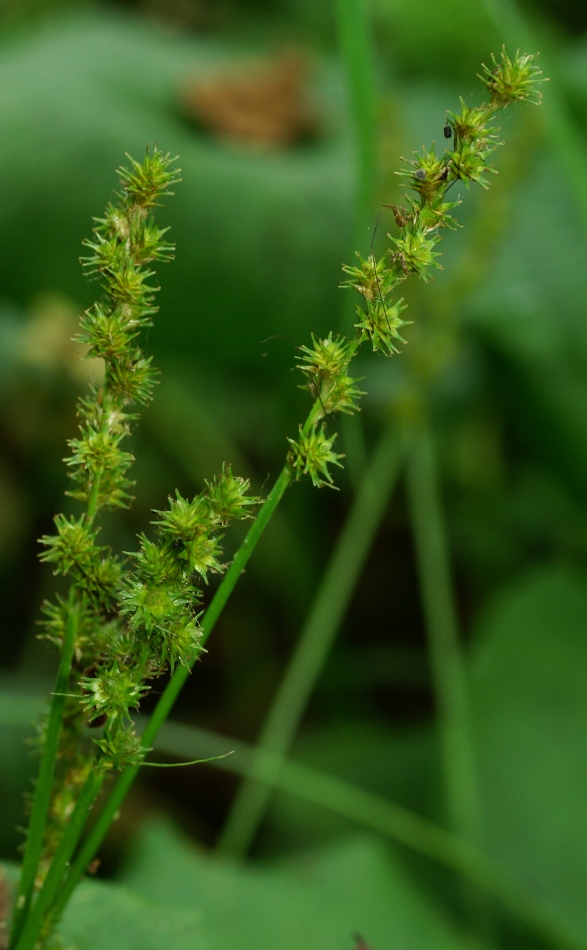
(529, 695)
(315, 902)
(531, 317)
(105, 917)
(261, 236)
(529, 701)
(529, 688)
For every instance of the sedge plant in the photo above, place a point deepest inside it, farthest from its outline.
(125, 619)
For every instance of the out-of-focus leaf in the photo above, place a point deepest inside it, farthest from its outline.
(19, 709)
(316, 902)
(261, 235)
(104, 917)
(531, 317)
(400, 766)
(529, 694)
(441, 39)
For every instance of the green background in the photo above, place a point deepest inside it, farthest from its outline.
(261, 236)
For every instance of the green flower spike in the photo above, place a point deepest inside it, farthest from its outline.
(227, 497)
(415, 252)
(111, 692)
(119, 749)
(372, 279)
(470, 125)
(381, 323)
(325, 367)
(512, 81)
(429, 176)
(74, 545)
(187, 526)
(469, 164)
(312, 454)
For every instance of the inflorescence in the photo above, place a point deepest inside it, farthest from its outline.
(420, 220)
(132, 622)
(129, 619)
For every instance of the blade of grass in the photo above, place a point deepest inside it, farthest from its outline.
(367, 810)
(356, 47)
(44, 782)
(447, 662)
(358, 59)
(446, 658)
(40, 912)
(64, 887)
(316, 639)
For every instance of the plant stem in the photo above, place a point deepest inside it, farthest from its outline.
(171, 692)
(445, 652)
(423, 836)
(315, 642)
(447, 661)
(44, 783)
(355, 41)
(40, 912)
(93, 499)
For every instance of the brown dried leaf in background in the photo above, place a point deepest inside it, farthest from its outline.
(4, 910)
(265, 105)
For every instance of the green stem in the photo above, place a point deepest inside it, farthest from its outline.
(357, 55)
(314, 643)
(355, 41)
(93, 501)
(41, 911)
(44, 783)
(426, 838)
(172, 690)
(447, 661)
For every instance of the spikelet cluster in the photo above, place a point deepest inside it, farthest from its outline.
(427, 211)
(136, 616)
(158, 604)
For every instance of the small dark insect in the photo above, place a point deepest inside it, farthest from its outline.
(447, 131)
(420, 173)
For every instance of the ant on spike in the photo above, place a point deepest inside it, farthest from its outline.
(447, 131)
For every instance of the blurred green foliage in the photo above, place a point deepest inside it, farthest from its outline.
(261, 237)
